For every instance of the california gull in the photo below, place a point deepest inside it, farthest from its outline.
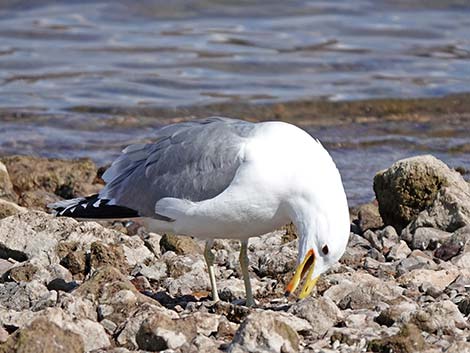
(227, 178)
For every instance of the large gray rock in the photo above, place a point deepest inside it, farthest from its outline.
(413, 185)
(262, 331)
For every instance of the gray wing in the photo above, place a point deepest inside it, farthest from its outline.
(194, 160)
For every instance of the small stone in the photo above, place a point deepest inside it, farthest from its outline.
(135, 251)
(322, 313)
(37, 199)
(399, 251)
(43, 336)
(416, 260)
(408, 340)
(400, 312)
(160, 332)
(109, 326)
(75, 262)
(152, 242)
(439, 279)
(262, 331)
(58, 284)
(22, 273)
(374, 239)
(6, 187)
(443, 315)
(108, 255)
(3, 335)
(8, 208)
(369, 217)
(362, 291)
(180, 244)
(426, 238)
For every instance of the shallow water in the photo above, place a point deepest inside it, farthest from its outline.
(60, 60)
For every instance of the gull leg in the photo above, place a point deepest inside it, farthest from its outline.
(209, 256)
(246, 275)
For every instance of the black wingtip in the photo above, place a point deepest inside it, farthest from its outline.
(91, 207)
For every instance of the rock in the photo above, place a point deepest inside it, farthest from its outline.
(152, 242)
(37, 199)
(204, 344)
(373, 239)
(408, 340)
(355, 339)
(322, 313)
(3, 335)
(135, 251)
(128, 329)
(108, 255)
(263, 331)
(459, 347)
(155, 272)
(6, 187)
(439, 279)
(180, 244)
(160, 332)
(399, 252)
(5, 265)
(187, 283)
(43, 336)
(462, 261)
(416, 260)
(21, 296)
(35, 234)
(92, 333)
(362, 291)
(412, 185)
(449, 211)
(75, 262)
(397, 313)
(59, 284)
(24, 272)
(64, 178)
(369, 217)
(276, 264)
(8, 208)
(440, 316)
(457, 243)
(425, 238)
(115, 295)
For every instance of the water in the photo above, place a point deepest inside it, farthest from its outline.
(66, 67)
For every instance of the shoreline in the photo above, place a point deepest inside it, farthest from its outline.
(309, 111)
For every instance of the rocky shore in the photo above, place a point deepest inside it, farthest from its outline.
(403, 284)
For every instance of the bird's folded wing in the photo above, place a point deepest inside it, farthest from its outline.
(195, 160)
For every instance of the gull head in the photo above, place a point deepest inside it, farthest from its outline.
(319, 210)
(317, 253)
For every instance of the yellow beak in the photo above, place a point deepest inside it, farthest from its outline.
(306, 267)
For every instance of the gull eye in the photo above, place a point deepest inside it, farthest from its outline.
(325, 249)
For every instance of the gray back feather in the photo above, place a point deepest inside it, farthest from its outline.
(195, 160)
